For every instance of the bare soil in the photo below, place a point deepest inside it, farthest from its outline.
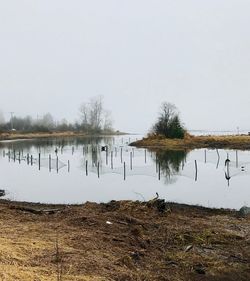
(122, 240)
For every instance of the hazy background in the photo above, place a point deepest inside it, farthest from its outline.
(55, 54)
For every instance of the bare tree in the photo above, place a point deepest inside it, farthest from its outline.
(108, 122)
(94, 117)
(96, 113)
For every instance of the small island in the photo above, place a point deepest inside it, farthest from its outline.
(169, 133)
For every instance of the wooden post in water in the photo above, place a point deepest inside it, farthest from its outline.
(50, 163)
(218, 162)
(31, 160)
(68, 166)
(14, 155)
(159, 170)
(112, 164)
(145, 155)
(19, 157)
(9, 155)
(98, 170)
(73, 149)
(28, 159)
(115, 151)
(39, 161)
(86, 167)
(131, 161)
(156, 164)
(57, 164)
(124, 171)
(133, 150)
(107, 155)
(4, 153)
(196, 170)
(121, 155)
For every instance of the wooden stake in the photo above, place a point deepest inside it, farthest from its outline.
(124, 171)
(131, 160)
(196, 170)
(86, 167)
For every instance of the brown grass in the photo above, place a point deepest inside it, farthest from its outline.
(241, 142)
(140, 244)
(18, 135)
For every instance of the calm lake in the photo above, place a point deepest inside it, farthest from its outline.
(76, 170)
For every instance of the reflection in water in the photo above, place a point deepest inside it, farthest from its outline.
(48, 153)
(55, 142)
(171, 162)
(96, 172)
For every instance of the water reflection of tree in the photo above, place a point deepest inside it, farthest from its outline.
(171, 162)
(52, 143)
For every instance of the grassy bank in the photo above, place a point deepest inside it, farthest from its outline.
(241, 142)
(122, 241)
(17, 135)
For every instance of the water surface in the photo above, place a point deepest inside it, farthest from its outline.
(121, 172)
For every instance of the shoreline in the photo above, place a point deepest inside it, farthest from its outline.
(122, 240)
(241, 142)
(27, 136)
(9, 202)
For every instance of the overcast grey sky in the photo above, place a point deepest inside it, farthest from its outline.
(55, 54)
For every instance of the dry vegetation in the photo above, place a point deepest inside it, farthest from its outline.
(193, 142)
(18, 135)
(122, 241)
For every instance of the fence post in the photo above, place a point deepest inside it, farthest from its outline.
(196, 170)
(107, 154)
(57, 164)
(159, 170)
(112, 164)
(98, 170)
(131, 161)
(121, 155)
(39, 161)
(50, 163)
(124, 171)
(86, 167)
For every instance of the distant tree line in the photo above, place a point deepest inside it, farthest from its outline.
(94, 119)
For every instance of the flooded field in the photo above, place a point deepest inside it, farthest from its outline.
(76, 170)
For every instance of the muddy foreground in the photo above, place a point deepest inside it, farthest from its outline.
(122, 241)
